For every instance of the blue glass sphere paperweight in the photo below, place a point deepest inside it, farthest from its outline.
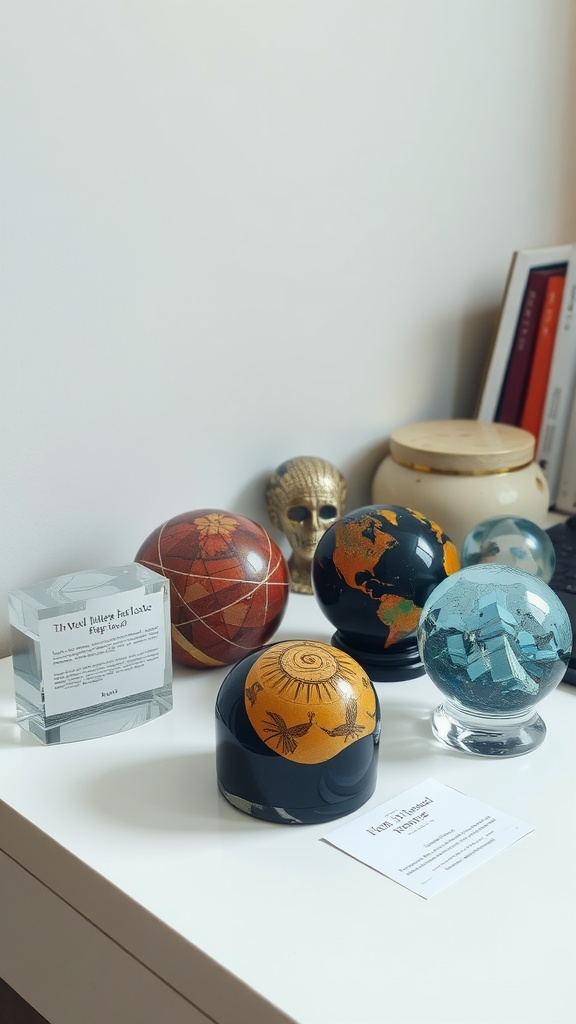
(495, 640)
(510, 540)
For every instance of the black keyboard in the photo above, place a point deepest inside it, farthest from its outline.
(563, 582)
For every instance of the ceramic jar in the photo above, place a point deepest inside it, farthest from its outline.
(459, 472)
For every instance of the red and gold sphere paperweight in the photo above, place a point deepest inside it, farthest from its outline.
(229, 585)
(372, 572)
(297, 733)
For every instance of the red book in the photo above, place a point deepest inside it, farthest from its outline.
(533, 408)
(518, 370)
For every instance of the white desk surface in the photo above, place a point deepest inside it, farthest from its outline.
(121, 851)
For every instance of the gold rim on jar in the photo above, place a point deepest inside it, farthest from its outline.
(462, 447)
(459, 472)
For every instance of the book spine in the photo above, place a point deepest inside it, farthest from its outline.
(560, 387)
(533, 407)
(523, 261)
(566, 497)
(518, 370)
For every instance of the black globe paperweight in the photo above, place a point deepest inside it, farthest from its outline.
(372, 573)
(297, 733)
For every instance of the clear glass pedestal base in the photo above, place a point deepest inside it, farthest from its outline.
(489, 736)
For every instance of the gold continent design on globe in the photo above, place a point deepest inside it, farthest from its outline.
(307, 700)
(351, 552)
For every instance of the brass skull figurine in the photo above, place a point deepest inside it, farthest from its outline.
(305, 495)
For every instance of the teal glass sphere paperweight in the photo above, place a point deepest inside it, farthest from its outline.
(510, 540)
(496, 641)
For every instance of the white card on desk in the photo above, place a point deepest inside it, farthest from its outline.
(428, 836)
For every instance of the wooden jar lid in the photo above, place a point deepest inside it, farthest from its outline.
(462, 446)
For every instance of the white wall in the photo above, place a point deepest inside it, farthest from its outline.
(235, 231)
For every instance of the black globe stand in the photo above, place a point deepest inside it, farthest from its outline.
(386, 666)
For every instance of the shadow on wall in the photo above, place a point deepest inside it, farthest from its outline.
(566, 211)
(472, 340)
(358, 473)
(474, 337)
(477, 334)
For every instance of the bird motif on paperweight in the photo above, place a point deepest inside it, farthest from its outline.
(284, 734)
(350, 727)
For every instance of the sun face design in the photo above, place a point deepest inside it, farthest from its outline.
(309, 700)
(304, 672)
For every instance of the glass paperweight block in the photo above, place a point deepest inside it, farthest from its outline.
(496, 641)
(508, 540)
(91, 652)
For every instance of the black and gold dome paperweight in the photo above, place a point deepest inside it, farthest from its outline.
(297, 733)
